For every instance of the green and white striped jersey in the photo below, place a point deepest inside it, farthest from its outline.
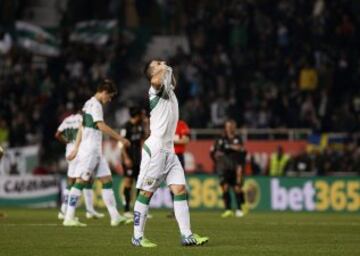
(164, 113)
(91, 140)
(69, 128)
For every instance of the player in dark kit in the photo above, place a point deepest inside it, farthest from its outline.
(132, 130)
(229, 155)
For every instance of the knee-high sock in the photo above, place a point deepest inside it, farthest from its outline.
(240, 199)
(227, 200)
(127, 197)
(74, 195)
(141, 209)
(65, 200)
(181, 210)
(109, 200)
(89, 198)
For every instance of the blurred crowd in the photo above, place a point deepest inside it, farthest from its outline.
(327, 161)
(272, 64)
(38, 93)
(320, 162)
(266, 64)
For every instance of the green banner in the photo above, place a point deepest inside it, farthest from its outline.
(339, 194)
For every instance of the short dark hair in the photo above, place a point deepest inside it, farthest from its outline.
(107, 85)
(134, 111)
(147, 69)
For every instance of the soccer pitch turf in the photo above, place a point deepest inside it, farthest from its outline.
(38, 232)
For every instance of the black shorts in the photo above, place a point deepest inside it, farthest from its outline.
(182, 160)
(228, 177)
(132, 172)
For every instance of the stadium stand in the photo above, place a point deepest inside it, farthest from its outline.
(293, 64)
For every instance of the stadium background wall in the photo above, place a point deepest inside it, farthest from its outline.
(315, 194)
(197, 153)
(261, 150)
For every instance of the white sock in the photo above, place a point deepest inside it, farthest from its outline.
(65, 201)
(110, 202)
(182, 214)
(74, 196)
(89, 199)
(141, 209)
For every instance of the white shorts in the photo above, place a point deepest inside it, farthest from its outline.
(91, 165)
(71, 172)
(157, 167)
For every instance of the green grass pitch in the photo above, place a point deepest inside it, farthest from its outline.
(37, 232)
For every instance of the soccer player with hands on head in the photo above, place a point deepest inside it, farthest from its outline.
(159, 162)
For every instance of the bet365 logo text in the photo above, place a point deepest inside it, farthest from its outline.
(316, 195)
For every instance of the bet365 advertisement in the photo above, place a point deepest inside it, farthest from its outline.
(304, 194)
(265, 194)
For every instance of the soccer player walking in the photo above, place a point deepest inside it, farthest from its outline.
(67, 133)
(132, 130)
(159, 162)
(229, 155)
(91, 162)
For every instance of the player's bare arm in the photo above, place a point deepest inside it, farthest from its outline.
(173, 81)
(1, 152)
(214, 153)
(74, 152)
(126, 158)
(58, 135)
(102, 126)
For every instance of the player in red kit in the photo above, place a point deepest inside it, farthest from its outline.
(182, 138)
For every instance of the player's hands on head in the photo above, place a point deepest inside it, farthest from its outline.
(168, 68)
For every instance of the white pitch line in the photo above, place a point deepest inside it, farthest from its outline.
(45, 224)
(305, 223)
(30, 224)
(242, 223)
